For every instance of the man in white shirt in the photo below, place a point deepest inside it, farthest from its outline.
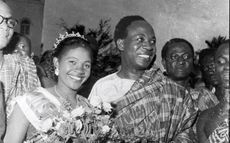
(135, 38)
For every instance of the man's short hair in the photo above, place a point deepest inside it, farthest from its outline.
(173, 41)
(226, 41)
(206, 52)
(121, 27)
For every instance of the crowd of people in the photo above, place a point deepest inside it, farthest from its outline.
(151, 105)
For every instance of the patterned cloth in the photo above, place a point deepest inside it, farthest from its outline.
(156, 109)
(220, 134)
(203, 98)
(18, 75)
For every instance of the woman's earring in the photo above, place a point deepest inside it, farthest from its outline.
(56, 71)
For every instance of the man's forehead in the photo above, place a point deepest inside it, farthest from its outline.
(222, 50)
(140, 25)
(5, 10)
(179, 47)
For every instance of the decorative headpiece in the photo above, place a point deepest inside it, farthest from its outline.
(67, 35)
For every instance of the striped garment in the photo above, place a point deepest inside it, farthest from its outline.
(156, 109)
(18, 75)
(220, 134)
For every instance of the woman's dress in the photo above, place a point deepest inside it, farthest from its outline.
(50, 118)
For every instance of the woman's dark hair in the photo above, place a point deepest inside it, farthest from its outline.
(71, 43)
(168, 44)
(121, 27)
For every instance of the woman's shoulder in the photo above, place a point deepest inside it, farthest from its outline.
(38, 104)
(37, 100)
(38, 92)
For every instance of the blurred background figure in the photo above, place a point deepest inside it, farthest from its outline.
(45, 70)
(17, 73)
(213, 124)
(19, 44)
(207, 65)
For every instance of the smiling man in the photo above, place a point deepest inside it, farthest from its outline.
(17, 74)
(135, 38)
(150, 107)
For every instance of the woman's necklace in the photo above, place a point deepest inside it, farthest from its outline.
(64, 101)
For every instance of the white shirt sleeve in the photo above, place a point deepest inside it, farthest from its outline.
(94, 98)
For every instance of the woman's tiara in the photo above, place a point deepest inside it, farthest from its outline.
(67, 35)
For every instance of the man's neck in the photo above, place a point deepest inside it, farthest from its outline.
(184, 83)
(130, 73)
(220, 93)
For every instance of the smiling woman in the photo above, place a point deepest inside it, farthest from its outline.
(55, 110)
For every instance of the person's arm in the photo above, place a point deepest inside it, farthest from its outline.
(17, 127)
(94, 98)
(2, 114)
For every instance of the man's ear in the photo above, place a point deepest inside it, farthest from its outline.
(163, 62)
(120, 44)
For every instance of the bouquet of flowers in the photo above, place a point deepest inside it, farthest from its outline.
(79, 125)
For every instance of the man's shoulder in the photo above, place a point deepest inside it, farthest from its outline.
(205, 94)
(20, 60)
(107, 79)
(10, 58)
(26, 60)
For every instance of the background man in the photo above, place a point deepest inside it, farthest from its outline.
(177, 59)
(213, 124)
(17, 74)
